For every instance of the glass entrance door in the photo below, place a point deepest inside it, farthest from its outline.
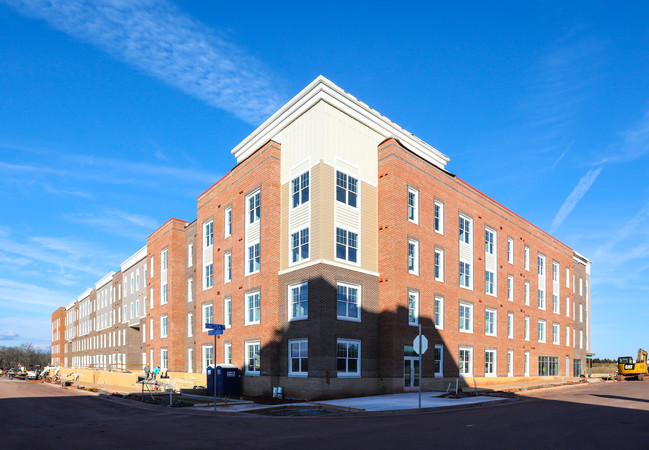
(410, 371)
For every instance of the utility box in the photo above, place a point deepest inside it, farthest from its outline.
(225, 378)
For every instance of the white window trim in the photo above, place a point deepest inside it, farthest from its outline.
(470, 350)
(359, 305)
(225, 222)
(558, 328)
(439, 326)
(190, 328)
(204, 316)
(247, 344)
(358, 190)
(290, 366)
(290, 301)
(227, 300)
(510, 250)
(470, 286)
(415, 243)
(247, 310)
(527, 324)
(247, 207)
(495, 288)
(527, 293)
(495, 363)
(247, 257)
(358, 247)
(227, 277)
(545, 331)
(439, 251)
(351, 374)
(415, 294)
(441, 218)
(495, 312)
(415, 192)
(470, 305)
(164, 333)
(510, 288)
(510, 330)
(290, 246)
(526, 258)
(440, 374)
(190, 255)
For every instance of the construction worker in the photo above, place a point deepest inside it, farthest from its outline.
(147, 372)
(156, 371)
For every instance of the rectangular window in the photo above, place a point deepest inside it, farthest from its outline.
(346, 245)
(555, 303)
(346, 189)
(298, 301)
(190, 360)
(227, 267)
(489, 282)
(254, 258)
(150, 299)
(348, 302)
(567, 335)
(300, 189)
(413, 308)
(348, 356)
(581, 313)
(164, 359)
(490, 322)
(548, 366)
(541, 264)
(413, 256)
(208, 357)
(567, 306)
(439, 312)
(526, 331)
(510, 325)
(253, 308)
(490, 363)
(254, 206)
(151, 333)
(465, 274)
(190, 289)
(208, 233)
(556, 334)
(253, 358)
(227, 222)
(439, 264)
(510, 288)
(152, 261)
(190, 325)
(466, 361)
(227, 353)
(208, 276)
(541, 330)
(300, 245)
(438, 361)
(489, 238)
(227, 312)
(298, 357)
(208, 315)
(526, 257)
(541, 299)
(439, 217)
(466, 317)
(555, 271)
(190, 255)
(413, 205)
(465, 230)
(581, 286)
(581, 339)
(527, 293)
(163, 294)
(567, 277)
(510, 250)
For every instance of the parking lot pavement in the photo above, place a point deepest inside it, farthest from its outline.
(407, 401)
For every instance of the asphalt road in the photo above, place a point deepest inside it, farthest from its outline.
(603, 415)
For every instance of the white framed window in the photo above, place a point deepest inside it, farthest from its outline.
(253, 308)
(489, 282)
(132, 282)
(413, 307)
(164, 359)
(208, 276)
(510, 288)
(227, 312)
(190, 360)
(568, 277)
(348, 358)
(510, 363)
(151, 333)
(567, 335)
(490, 322)
(298, 301)
(227, 353)
(510, 325)
(190, 289)
(567, 306)
(413, 256)
(413, 205)
(137, 281)
(253, 358)
(439, 312)
(227, 222)
(581, 313)
(581, 339)
(555, 304)
(438, 361)
(556, 334)
(465, 229)
(298, 357)
(490, 359)
(489, 239)
(439, 264)
(581, 286)
(527, 293)
(465, 275)
(526, 330)
(300, 245)
(208, 233)
(346, 189)
(164, 294)
(151, 270)
(300, 190)
(439, 217)
(208, 315)
(190, 325)
(541, 330)
(150, 300)
(227, 267)
(253, 202)
(466, 317)
(526, 257)
(208, 357)
(190, 255)
(541, 264)
(510, 250)
(348, 301)
(346, 245)
(555, 271)
(465, 361)
(541, 299)
(526, 364)
(254, 259)
(143, 334)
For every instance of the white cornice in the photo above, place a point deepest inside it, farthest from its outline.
(84, 294)
(323, 89)
(70, 305)
(581, 259)
(105, 279)
(134, 259)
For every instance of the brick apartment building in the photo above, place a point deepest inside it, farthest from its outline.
(58, 337)
(336, 235)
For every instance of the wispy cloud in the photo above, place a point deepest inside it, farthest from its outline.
(563, 154)
(9, 336)
(160, 40)
(26, 296)
(575, 197)
(117, 222)
(634, 144)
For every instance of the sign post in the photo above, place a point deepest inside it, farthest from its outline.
(214, 329)
(420, 345)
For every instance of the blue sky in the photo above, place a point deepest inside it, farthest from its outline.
(115, 116)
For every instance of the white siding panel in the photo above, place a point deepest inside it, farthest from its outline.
(466, 252)
(347, 217)
(299, 217)
(252, 232)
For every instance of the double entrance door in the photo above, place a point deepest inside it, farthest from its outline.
(410, 371)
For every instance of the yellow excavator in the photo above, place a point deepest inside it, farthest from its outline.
(628, 368)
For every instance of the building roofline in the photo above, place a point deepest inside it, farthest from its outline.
(104, 280)
(84, 294)
(173, 219)
(581, 258)
(133, 259)
(70, 305)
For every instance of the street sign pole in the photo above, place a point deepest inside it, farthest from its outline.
(420, 352)
(214, 371)
(214, 329)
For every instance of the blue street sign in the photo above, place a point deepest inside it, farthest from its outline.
(215, 326)
(214, 332)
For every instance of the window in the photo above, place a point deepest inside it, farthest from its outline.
(439, 312)
(298, 357)
(567, 306)
(567, 277)
(526, 364)
(348, 356)
(132, 282)
(413, 308)
(190, 255)
(413, 205)
(466, 361)
(254, 206)
(526, 330)
(253, 358)
(227, 267)
(555, 272)
(190, 289)
(346, 245)
(208, 233)
(227, 222)
(413, 256)
(581, 339)
(567, 335)
(541, 330)
(253, 308)
(556, 334)
(208, 315)
(439, 217)
(466, 317)
(465, 274)
(227, 353)
(541, 300)
(298, 301)
(190, 325)
(465, 230)
(254, 259)
(348, 302)
(490, 322)
(526, 257)
(208, 357)
(190, 360)
(510, 288)
(137, 308)
(137, 282)
(163, 294)
(152, 261)
(548, 366)
(164, 359)
(151, 300)
(510, 325)
(541, 263)
(300, 245)
(300, 189)
(527, 293)
(489, 238)
(510, 250)
(151, 333)
(581, 286)
(555, 303)
(227, 312)
(490, 363)
(581, 313)
(346, 189)
(489, 282)
(208, 276)
(439, 264)
(510, 363)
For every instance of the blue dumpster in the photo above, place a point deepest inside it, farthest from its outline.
(227, 380)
